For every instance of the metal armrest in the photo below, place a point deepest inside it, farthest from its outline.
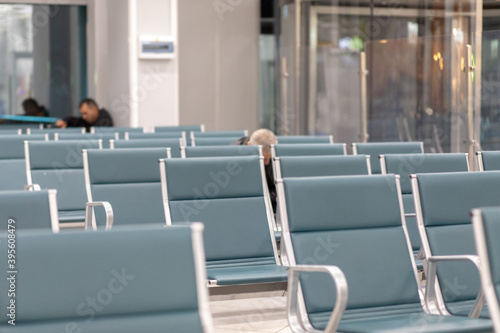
(295, 320)
(410, 215)
(32, 187)
(430, 293)
(90, 217)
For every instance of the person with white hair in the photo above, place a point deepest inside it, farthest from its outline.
(265, 138)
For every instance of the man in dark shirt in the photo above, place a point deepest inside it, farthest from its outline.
(91, 116)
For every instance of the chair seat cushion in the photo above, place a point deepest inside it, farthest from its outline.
(179, 322)
(463, 309)
(71, 216)
(248, 274)
(415, 322)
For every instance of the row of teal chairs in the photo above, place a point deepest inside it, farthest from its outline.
(358, 236)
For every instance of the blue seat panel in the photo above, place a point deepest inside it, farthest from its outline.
(248, 274)
(12, 175)
(309, 149)
(375, 149)
(179, 322)
(71, 216)
(415, 323)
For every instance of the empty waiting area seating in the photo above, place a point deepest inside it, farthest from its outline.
(488, 160)
(220, 151)
(52, 131)
(105, 137)
(318, 166)
(354, 223)
(160, 135)
(444, 202)
(229, 194)
(174, 144)
(486, 224)
(217, 141)
(29, 210)
(12, 131)
(407, 164)
(308, 149)
(120, 130)
(180, 128)
(12, 162)
(302, 139)
(375, 149)
(147, 279)
(129, 179)
(59, 165)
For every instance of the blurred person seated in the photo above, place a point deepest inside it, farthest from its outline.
(33, 109)
(265, 138)
(92, 116)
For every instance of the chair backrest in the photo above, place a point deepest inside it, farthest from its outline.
(299, 139)
(127, 280)
(488, 160)
(59, 165)
(105, 137)
(52, 131)
(180, 128)
(129, 179)
(161, 135)
(29, 210)
(229, 195)
(12, 164)
(220, 141)
(16, 127)
(486, 224)
(355, 223)
(407, 164)
(12, 146)
(120, 130)
(443, 202)
(11, 131)
(220, 151)
(174, 144)
(375, 149)
(218, 134)
(318, 166)
(308, 149)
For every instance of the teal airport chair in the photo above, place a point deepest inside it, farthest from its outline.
(59, 165)
(308, 149)
(218, 141)
(28, 210)
(407, 164)
(375, 149)
(229, 194)
(220, 151)
(12, 162)
(129, 181)
(127, 280)
(488, 160)
(180, 128)
(304, 139)
(443, 202)
(352, 230)
(120, 130)
(318, 166)
(174, 145)
(486, 225)
(105, 137)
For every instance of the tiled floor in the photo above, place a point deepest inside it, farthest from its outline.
(254, 315)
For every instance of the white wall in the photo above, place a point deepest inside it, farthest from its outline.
(218, 63)
(212, 80)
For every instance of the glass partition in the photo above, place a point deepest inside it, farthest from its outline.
(418, 91)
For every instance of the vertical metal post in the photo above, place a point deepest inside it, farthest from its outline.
(284, 98)
(363, 72)
(469, 70)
